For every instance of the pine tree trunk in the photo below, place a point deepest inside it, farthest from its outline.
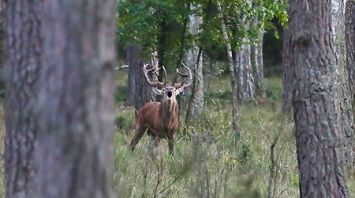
(350, 47)
(23, 45)
(75, 107)
(343, 86)
(318, 133)
(139, 92)
(194, 60)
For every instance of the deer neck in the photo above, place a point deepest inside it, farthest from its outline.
(169, 110)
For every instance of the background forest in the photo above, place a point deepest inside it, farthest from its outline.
(252, 124)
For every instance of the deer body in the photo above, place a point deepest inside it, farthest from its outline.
(159, 119)
(162, 119)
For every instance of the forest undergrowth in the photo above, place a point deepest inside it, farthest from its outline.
(209, 160)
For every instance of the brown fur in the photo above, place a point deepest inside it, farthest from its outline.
(161, 120)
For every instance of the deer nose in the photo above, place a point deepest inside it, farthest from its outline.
(169, 94)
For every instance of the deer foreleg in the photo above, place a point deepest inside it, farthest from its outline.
(137, 136)
(171, 145)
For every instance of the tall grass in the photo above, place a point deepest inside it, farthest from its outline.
(209, 162)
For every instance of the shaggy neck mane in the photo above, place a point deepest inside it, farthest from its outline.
(168, 110)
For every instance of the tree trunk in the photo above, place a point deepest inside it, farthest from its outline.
(287, 74)
(242, 64)
(139, 92)
(2, 42)
(257, 64)
(343, 86)
(75, 106)
(161, 46)
(231, 63)
(23, 62)
(244, 78)
(256, 51)
(318, 134)
(350, 47)
(194, 60)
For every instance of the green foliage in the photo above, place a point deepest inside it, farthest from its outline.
(273, 88)
(145, 23)
(161, 25)
(122, 122)
(121, 93)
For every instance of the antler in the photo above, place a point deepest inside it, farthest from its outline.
(154, 72)
(165, 75)
(188, 77)
(151, 83)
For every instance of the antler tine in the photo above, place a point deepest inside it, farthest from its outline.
(189, 76)
(165, 75)
(183, 75)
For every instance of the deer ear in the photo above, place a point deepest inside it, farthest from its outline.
(157, 91)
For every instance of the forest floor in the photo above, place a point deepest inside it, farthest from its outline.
(209, 160)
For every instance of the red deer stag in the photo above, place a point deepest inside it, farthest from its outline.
(160, 119)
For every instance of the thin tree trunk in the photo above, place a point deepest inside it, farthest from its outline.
(139, 92)
(23, 62)
(318, 134)
(256, 52)
(162, 37)
(242, 64)
(244, 78)
(257, 64)
(75, 107)
(194, 60)
(235, 124)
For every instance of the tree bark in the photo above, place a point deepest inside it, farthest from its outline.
(257, 64)
(231, 63)
(139, 92)
(350, 47)
(318, 134)
(75, 106)
(256, 52)
(343, 86)
(194, 60)
(242, 64)
(244, 78)
(23, 44)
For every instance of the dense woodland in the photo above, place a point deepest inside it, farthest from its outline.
(168, 98)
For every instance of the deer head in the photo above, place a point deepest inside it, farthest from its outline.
(169, 92)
